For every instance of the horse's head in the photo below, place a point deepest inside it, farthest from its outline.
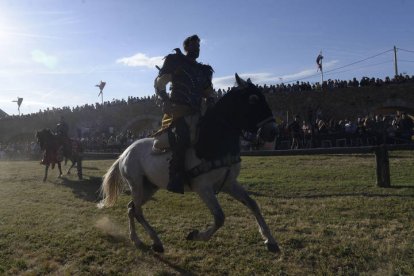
(255, 113)
(43, 136)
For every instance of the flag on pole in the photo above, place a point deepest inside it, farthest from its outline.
(319, 61)
(19, 103)
(101, 87)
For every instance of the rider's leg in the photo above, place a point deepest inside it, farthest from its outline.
(179, 145)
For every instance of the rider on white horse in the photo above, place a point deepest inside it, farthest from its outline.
(190, 83)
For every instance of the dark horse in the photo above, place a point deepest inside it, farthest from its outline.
(53, 146)
(213, 163)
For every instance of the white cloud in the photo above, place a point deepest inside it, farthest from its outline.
(268, 78)
(141, 60)
(47, 60)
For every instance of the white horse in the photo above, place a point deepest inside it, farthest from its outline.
(213, 162)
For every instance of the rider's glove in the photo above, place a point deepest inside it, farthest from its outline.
(166, 103)
(167, 106)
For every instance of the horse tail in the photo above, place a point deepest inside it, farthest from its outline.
(111, 186)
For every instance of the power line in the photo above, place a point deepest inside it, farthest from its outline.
(304, 78)
(406, 60)
(347, 65)
(359, 61)
(405, 50)
(361, 67)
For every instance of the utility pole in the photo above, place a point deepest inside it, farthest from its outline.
(395, 61)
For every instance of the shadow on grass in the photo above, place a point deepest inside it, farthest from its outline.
(404, 186)
(86, 189)
(315, 196)
(177, 268)
(90, 168)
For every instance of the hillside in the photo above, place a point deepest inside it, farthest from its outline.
(3, 114)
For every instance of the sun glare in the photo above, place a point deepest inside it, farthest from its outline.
(4, 30)
(8, 28)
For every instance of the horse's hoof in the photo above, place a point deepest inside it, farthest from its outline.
(44, 179)
(158, 248)
(273, 247)
(139, 244)
(192, 235)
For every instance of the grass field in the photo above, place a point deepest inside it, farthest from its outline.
(325, 211)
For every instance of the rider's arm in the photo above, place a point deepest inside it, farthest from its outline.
(209, 94)
(165, 76)
(160, 85)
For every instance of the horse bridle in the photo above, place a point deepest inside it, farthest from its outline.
(255, 140)
(269, 119)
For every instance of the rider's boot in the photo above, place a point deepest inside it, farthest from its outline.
(177, 174)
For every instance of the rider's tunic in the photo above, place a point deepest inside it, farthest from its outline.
(190, 82)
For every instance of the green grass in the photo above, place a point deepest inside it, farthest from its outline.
(326, 212)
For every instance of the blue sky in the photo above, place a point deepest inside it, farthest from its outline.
(53, 52)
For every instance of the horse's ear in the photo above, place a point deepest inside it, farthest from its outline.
(240, 82)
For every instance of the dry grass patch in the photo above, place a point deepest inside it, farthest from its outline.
(325, 211)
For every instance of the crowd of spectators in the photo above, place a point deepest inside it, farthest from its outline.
(282, 87)
(298, 134)
(329, 85)
(96, 142)
(112, 142)
(79, 109)
(19, 150)
(364, 131)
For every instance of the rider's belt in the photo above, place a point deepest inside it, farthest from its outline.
(207, 166)
(178, 111)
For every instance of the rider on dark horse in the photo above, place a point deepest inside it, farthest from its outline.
(62, 130)
(190, 83)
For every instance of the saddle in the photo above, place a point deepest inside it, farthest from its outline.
(164, 138)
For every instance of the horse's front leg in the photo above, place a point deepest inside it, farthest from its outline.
(209, 198)
(60, 169)
(46, 170)
(239, 193)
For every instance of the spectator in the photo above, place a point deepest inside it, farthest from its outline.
(295, 132)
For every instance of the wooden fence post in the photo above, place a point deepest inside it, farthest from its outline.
(383, 167)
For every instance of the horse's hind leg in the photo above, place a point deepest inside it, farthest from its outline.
(73, 164)
(239, 193)
(79, 168)
(209, 198)
(132, 232)
(141, 193)
(46, 170)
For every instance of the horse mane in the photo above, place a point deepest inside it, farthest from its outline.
(46, 131)
(46, 139)
(217, 137)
